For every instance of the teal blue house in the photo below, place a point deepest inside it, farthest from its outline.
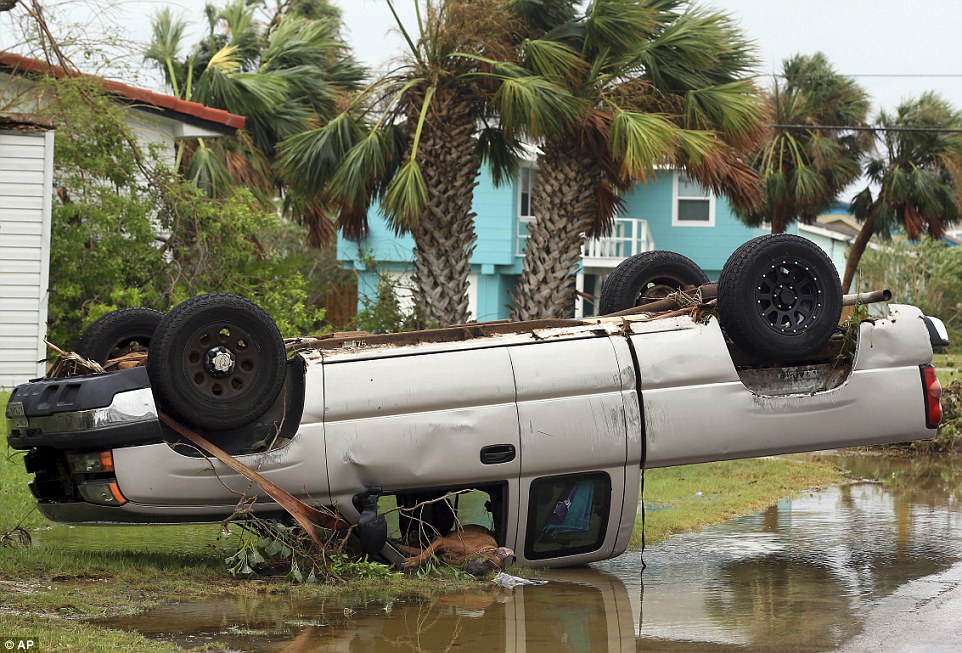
(668, 213)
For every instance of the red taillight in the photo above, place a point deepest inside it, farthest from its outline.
(933, 392)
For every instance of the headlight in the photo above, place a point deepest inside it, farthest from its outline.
(94, 462)
(104, 493)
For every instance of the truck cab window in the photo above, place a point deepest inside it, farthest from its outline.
(567, 514)
(444, 510)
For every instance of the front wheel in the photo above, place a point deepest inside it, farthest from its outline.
(216, 362)
(779, 296)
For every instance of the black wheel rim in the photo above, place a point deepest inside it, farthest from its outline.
(220, 361)
(789, 296)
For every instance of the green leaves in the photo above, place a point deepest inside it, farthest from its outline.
(916, 171)
(501, 154)
(309, 159)
(164, 47)
(641, 141)
(406, 196)
(554, 61)
(532, 106)
(618, 26)
(207, 170)
(734, 109)
(357, 173)
(285, 78)
(804, 170)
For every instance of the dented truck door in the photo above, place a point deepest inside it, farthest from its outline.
(407, 421)
(580, 449)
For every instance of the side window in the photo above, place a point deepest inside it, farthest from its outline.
(527, 178)
(443, 510)
(567, 515)
(694, 205)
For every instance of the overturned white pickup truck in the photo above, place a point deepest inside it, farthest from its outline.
(544, 425)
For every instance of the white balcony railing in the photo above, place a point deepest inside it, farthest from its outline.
(629, 236)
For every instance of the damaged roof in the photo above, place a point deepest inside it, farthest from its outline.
(139, 98)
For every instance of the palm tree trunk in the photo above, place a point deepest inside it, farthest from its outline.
(564, 203)
(444, 236)
(778, 222)
(856, 251)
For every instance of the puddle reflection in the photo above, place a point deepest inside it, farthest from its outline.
(798, 577)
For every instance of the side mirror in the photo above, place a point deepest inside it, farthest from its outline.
(371, 527)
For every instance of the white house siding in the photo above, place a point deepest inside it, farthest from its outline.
(834, 243)
(26, 173)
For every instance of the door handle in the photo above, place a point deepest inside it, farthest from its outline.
(494, 454)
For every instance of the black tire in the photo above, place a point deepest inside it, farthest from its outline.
(118, 333)
(216, 362)
(779, 297)
(647, 277)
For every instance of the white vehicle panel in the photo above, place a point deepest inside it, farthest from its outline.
(696, 409)
(571, 406)
(157, 475)
(418, 421)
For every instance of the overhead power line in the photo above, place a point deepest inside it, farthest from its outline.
(888, 75)
(847, 128)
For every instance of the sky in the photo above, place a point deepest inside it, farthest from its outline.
(895, 49)
(863, 38)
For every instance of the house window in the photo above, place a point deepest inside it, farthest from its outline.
(526, 181)
(527, 177)
(694, 205)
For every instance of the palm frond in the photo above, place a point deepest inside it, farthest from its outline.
(207, 171)
(543, 16)
(532, 106)
(309, 159)
(406, 196)
(695, 145)
(167, 35)
(365, 163)
(501, 154)
(642, 140)
(732, 109)
(226, 61)
(554, 61)
(617, 26)
(245, 32)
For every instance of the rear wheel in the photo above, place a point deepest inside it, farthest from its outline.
(118, 333)
(217, 362)
(647, 277)
(779, 296)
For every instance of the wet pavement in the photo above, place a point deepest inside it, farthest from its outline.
(875, 565)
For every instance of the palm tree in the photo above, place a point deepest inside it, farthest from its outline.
(804, 169)
(285, 74)
(916, 180)
(661, 84)
(414, 140)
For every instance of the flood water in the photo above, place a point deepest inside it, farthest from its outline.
(800, 576)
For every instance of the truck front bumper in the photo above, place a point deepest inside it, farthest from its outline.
(99, 411)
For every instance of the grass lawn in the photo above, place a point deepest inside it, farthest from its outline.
(686, 498)
(85, 571)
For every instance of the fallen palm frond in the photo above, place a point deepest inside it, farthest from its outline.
(307, 516)
(17, 537)
(69, 363)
